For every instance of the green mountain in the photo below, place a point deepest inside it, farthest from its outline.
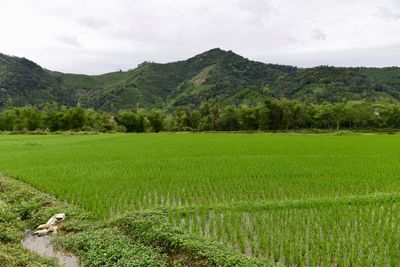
(215, 76)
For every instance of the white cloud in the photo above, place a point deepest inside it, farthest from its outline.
(105, 35)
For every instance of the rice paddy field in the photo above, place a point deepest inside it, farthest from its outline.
(301, 200)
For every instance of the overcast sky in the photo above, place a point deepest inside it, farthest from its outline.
(95, 36)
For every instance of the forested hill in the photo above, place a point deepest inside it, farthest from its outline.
(216, 76)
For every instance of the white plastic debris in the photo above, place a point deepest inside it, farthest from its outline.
(56, 219)
(50, 226)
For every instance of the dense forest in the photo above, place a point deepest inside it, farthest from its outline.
(271, 114)
(217, 77)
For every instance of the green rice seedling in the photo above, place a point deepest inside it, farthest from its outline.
(302, 200)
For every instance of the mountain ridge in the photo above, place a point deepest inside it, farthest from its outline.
(215, 76)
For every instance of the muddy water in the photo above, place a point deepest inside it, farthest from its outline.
(43, 246)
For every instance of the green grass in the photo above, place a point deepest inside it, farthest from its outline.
(294, 199)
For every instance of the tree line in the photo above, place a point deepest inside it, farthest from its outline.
(271, 114)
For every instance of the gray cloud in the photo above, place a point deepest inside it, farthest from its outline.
(69, 40)
(92, 23)
(388, 13)
(318, 34)
(259, 8)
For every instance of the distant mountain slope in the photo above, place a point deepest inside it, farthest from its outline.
(335, 84)
(24, 82)
(216, 76)
(227, 78)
